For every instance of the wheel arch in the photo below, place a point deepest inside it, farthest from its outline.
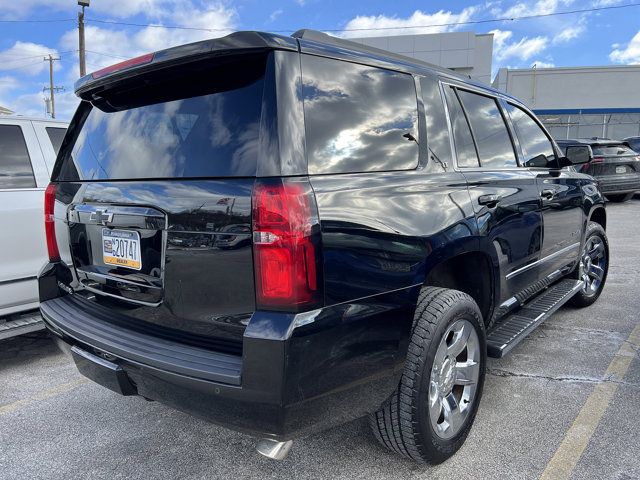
(598, 214)
(471, 272)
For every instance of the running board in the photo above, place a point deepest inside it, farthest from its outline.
(513, 329)
(28, 322)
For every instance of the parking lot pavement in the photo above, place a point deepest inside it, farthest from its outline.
(543, 408)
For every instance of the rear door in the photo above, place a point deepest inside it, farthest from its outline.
(23, 178)
(560, 193)
(504, 196)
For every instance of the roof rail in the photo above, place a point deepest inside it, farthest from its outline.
(317, 36)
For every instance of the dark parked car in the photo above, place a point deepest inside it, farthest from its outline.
(614, 164)
(634, 143)
(405, 222)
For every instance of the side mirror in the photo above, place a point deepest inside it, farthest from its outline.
(579, 154)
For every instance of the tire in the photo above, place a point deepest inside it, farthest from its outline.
(620, 197)
(591, 291)
(404, 423)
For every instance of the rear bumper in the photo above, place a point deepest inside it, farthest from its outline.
(619, 183)
(298, 374)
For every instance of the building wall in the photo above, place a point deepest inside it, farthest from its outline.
(579, 102)
(465, 52)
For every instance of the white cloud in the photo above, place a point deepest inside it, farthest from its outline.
(11, 9)
(414, 24)
(32, 104)
(542, 64)
(26, 57)
(275, 14)
(8, 83)
(541, 7)
(569, 32)
(629, 53)
(114, 45)
(605, 3)
(523, 49)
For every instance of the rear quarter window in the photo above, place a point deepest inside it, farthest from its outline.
(358, 118)
(56, 135)
(612, 150)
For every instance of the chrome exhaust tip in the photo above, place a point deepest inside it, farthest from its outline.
(273, 449)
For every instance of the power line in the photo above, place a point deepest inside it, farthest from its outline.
(39, 62)
(492, 20)
(53, 20)
(178, 27)
(25, 57)
(107, 54)
(449, 24)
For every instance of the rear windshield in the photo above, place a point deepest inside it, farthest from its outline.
(210, 135)
(611, 150)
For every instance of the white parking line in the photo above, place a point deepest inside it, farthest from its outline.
(577, 438)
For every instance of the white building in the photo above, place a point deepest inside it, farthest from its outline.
(579, 102)
(467, 53)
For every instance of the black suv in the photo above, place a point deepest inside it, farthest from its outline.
(613, 163)
(401, 223)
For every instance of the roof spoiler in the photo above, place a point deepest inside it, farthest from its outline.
(233, 44)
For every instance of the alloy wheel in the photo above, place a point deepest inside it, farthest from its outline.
(454, 379)
(593, 265)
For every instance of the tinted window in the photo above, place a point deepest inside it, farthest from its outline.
(437, 130)
(465, 149)
(56, 135)
(635, 143)
(612, 150)
(358, 118)
(212, 135)
(536, 147)
(489, 130)
(15, 164)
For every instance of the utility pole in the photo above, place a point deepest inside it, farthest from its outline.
(52, 88)
(81, 49)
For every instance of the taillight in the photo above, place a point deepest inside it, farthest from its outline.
(50, 222)
(285, 245)
(597, 160)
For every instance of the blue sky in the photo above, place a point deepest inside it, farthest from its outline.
(596, 38)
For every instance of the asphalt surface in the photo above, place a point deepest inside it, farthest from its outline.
(55, 424)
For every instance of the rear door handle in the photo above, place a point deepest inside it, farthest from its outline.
(490, 201)
(547, 194)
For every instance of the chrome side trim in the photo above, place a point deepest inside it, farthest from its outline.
(543, 260)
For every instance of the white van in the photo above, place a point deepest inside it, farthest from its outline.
(28, 148)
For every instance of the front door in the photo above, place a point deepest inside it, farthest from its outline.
(559, 190)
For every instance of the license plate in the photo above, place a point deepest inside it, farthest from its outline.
(622, 169)
(121, 248)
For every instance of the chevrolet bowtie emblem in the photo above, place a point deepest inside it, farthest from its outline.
(101, 216)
